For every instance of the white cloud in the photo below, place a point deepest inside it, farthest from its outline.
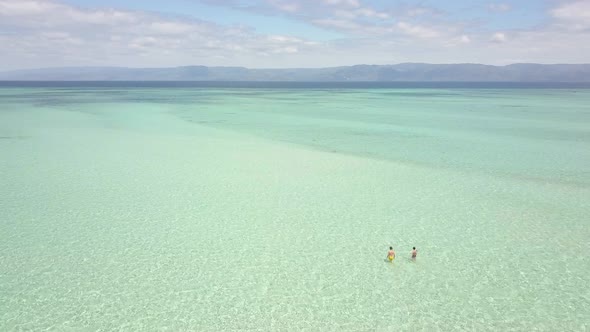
(40, 33)
(171, 28)
(367, 12)
(285, 6)
(50, 33)
(417, 30)
(329, 13)
(51, 14)
(498, 37)
(578, 10)
(574, 15)
(338, 24)
(349, 3)
(288, 50)
(25, 7)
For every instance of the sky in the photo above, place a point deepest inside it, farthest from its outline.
(289, 33)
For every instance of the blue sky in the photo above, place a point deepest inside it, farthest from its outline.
(223, 15)
(285, 33)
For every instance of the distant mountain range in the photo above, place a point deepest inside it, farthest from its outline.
(405, 72)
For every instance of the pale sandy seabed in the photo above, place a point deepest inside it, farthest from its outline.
(122, 216)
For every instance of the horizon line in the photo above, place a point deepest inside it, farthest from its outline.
(287, 68)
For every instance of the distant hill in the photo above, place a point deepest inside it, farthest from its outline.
(405, 72)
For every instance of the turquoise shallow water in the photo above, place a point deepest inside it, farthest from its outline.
(272, 209)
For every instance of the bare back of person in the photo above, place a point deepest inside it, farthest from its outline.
(391, 254)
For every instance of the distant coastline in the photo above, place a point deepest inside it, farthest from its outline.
(292, 85)
(403, 73)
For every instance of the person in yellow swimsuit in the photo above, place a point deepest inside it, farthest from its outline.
(391, 254)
